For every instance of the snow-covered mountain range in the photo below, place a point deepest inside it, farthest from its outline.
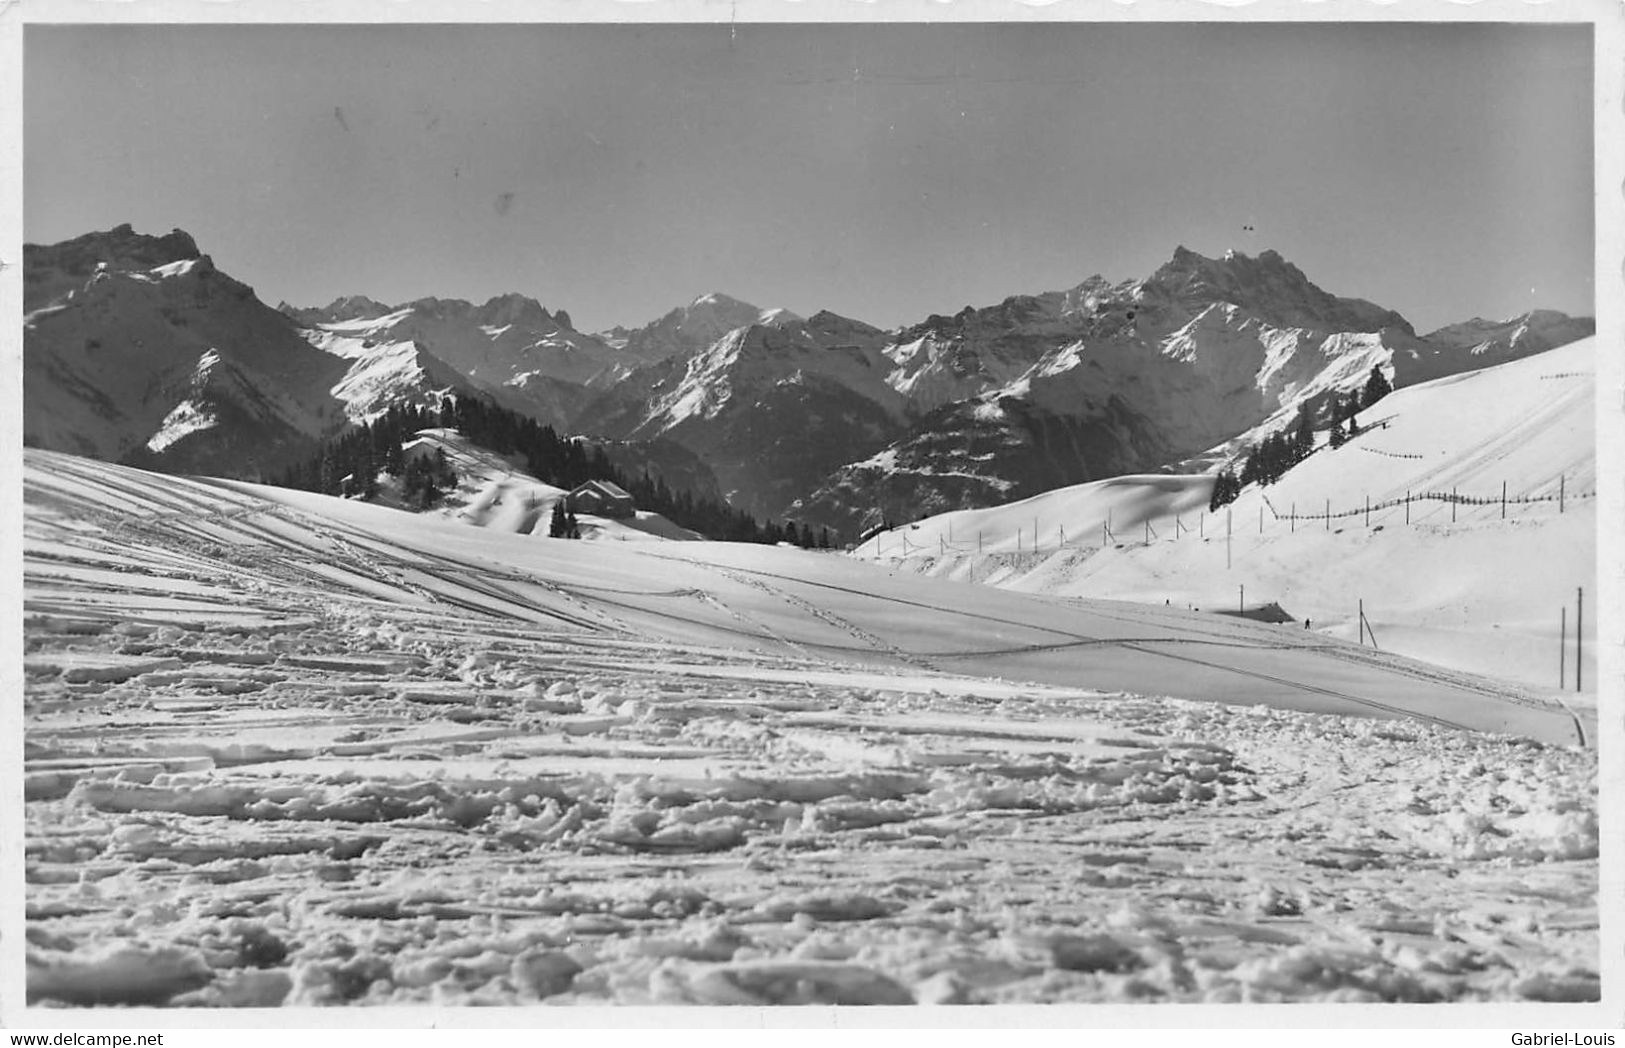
(136, 347)
(1199, 358)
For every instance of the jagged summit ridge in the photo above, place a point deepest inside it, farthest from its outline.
(50, 271)
(1267, 285)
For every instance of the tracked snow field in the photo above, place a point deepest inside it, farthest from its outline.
(276, 756)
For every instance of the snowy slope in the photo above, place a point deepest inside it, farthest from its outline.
(1427, 586)
(495, 492)
(288, 749)
(384, 373)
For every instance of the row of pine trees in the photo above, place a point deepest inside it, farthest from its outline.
(1269, 460)
(350, 463)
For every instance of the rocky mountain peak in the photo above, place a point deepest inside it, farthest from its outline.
(1267, 286)
(52, 270)
(514, 308)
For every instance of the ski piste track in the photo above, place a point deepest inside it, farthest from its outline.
(1143, 645)
(279, 552)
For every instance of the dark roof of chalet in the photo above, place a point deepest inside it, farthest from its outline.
(614, 491)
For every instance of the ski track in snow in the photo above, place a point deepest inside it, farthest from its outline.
(274, 759)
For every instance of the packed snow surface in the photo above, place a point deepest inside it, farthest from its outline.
(1446, 578)
(283, 749)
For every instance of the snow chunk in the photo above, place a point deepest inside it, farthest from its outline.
(119, 974)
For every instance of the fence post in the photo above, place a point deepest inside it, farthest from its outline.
(1328, 514)
(1452, 505)
(1579, 634)
(1294, 518)
(1201, 526)
(1407, 507)
(1062, 528)
(1503, 500)
(1368, 511)
(1261, 519)
(1362, 623)
(1560, 486)
(1242, 604)
(978, 540)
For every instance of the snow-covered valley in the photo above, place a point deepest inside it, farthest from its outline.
(285, 749)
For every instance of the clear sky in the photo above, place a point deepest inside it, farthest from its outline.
(883, 172)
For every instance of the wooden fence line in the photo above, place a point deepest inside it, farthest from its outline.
(1452, 498)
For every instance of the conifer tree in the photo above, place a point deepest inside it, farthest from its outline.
(1303, 438)
(1225, 489)
(444, 475)
(557, 525)
(1376, 387)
